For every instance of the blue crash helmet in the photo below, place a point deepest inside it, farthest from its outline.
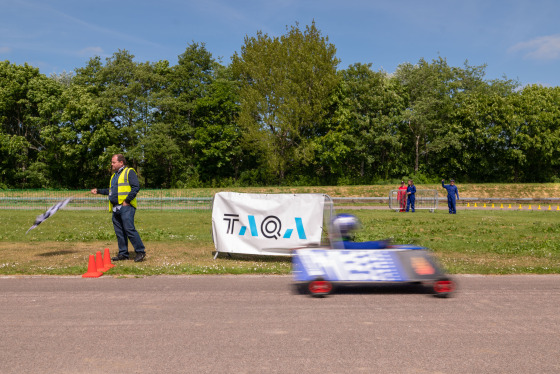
(345, 225)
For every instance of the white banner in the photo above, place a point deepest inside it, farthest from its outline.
(266, 224)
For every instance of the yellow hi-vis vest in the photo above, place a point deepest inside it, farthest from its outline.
(123, 188)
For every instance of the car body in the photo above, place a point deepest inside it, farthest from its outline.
(319, 271)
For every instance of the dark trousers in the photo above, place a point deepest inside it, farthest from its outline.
(123, 222)
(451, 205)
(410, 203)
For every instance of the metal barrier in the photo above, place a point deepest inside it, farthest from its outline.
(187, 199)
(84, 200)
(425, 199)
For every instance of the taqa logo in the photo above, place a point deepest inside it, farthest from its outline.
(270, 227)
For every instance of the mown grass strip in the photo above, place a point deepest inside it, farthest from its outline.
(180, 242)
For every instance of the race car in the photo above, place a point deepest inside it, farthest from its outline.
(319, 271)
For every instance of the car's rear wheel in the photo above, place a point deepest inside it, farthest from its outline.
(444, 287)
(319, 287)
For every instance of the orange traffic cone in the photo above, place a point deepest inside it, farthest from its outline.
(99, 262)
(92, 269)
(107, 260)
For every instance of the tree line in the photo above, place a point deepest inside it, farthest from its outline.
(281, 113)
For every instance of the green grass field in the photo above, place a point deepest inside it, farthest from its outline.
(180, 242)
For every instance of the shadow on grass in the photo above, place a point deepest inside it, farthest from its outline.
(252, 258)
(56, 253)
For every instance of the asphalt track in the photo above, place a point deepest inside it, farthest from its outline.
(256, 324)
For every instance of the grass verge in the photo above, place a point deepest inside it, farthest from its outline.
(180, 242)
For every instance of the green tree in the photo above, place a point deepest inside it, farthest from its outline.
(186, 83)
(30, 108)
(537, 134)
(129, 96)
(216, 140)
(375, 102)
(131, 92)
(285, 86)
(13, 157)
(82, 141)
(360, 141)
(429, 92)
(478, 144)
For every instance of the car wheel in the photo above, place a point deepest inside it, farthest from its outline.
(319, 287)
(444, 287)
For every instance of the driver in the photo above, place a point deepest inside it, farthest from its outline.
(345, 225)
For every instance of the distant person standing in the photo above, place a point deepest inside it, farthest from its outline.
(452, 191)
(401, 197)
(411, 195)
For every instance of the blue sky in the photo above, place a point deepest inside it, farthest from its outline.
(515, 38)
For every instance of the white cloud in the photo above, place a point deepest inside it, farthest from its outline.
(5, 49)
(544, 48)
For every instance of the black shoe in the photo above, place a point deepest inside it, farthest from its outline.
(140, 257)
(119, 258)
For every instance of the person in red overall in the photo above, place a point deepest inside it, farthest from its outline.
(401, 197)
